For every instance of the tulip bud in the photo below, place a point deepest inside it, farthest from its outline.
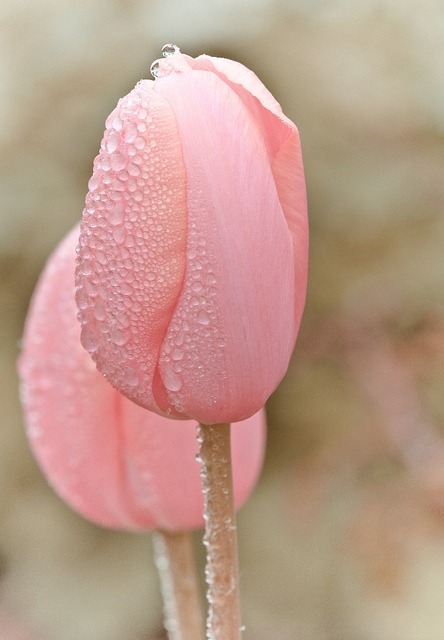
(114, 462)
(192, 264)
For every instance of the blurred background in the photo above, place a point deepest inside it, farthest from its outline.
(343, 538)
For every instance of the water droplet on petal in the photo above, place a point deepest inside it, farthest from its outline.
(130, 377)
(202, 318)
(119, 234)
(85, 267)
(169, 50)
(130, 133)
(81, 299)
(117, 336)
(133, 169)
(94, 182)
(171, 379)
(139, 143)
(118, 161)
(196, 286)
(112, 142)
(116, 214)
(99, 310)
(88, 340)
(117, 124)
(154, 69)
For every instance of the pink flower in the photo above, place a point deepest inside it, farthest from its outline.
(114, 462)
(192, 266)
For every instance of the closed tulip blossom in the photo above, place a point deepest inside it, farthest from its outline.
(111, 460)
(192, 263)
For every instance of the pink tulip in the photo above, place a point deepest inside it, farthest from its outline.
(114, 462)
(192, 262)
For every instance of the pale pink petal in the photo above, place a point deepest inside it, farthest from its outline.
(234, 324)
(132, 246)
(284, 148)
(113, 461)
(235, 73)
(288, 172)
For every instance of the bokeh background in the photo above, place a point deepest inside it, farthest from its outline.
(344, 536)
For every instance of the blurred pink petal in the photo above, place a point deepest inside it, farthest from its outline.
(113, 461)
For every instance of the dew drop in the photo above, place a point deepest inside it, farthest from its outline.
(169, 50)
(81, 299)
(94, 182)
(117, 124)
(119, 235)
(202, 318)
(85, 268)
(133, 169)
(99, 310)
(123, 175)
(105, 163)
(177, 354)
(116, 214)
(112, 142)
(118, 337)
(139, 143)
(171, 380)
(196, 286)
(118, 161)
(179, 339)
(154, 69)
(88, 340)
(130, 377)
(130, 133)
(90, 288)
(126, 289)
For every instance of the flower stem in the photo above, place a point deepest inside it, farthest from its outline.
(173, 553)
(222, 572)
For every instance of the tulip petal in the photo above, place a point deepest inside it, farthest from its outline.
(77, 441)
(116, 463)
(234, 323)
(284, 149)
(132, 246)
(173, 474)
(235, 73)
